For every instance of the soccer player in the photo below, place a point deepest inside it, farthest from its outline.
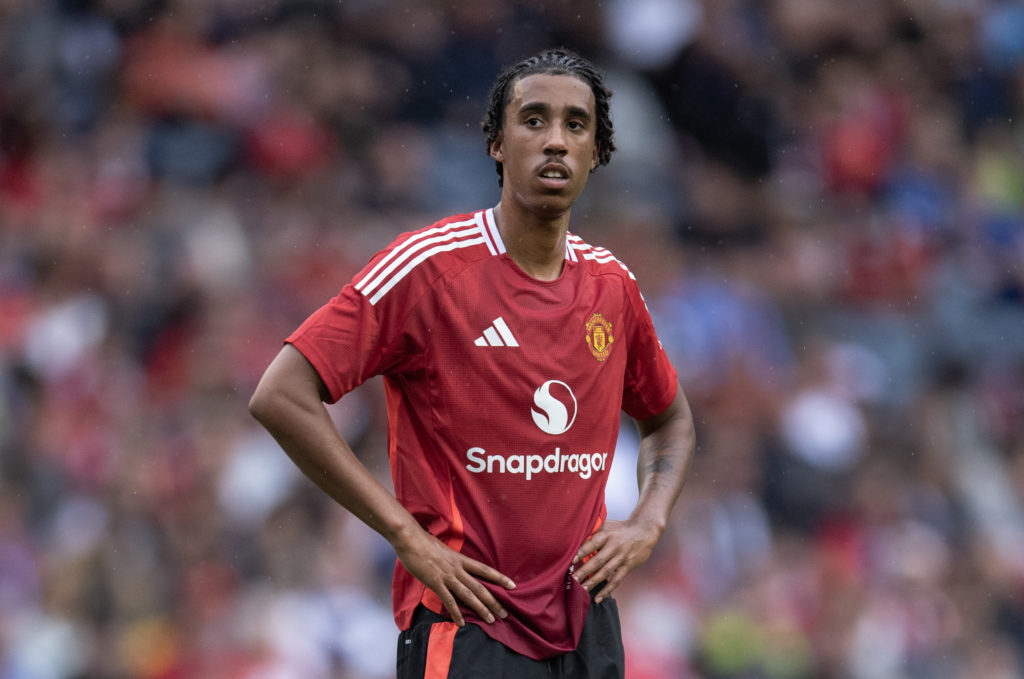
(508, 348)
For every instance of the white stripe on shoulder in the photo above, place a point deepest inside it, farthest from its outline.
(598, 255)
(587, 247)
(413, 243)
(394, 280)
(492, 228)
(369, 287)
(481, 222)
(570, 251)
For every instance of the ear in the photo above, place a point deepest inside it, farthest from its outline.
(496, 152)
(594, 159)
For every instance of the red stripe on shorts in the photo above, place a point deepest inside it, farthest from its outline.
(439, 649)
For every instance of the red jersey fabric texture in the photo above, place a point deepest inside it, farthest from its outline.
(504, 396)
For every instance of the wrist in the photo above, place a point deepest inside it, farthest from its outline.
(403, 533)
(653, 523)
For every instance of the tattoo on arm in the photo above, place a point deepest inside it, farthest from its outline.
(664, 459)
(661, 464)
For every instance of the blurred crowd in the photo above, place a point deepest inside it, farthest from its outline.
(823, 203)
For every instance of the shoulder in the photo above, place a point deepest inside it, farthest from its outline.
(598, 260)
(415, 259)
(601, 263)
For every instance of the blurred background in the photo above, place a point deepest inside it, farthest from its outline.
(823, 202)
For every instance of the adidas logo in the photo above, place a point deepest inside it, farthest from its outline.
(497, 335)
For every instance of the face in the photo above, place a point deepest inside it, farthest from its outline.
(547, 145)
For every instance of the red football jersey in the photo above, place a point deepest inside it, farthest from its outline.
(503, 395)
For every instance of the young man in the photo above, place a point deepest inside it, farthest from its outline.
(508, 347)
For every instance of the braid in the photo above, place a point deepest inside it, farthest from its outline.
(558, 61)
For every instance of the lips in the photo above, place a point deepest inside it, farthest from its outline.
(554, 175)
(554, 171)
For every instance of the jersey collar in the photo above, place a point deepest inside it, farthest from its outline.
(489, 230)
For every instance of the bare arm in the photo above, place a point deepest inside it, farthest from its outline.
(666, 448)
(289, 403)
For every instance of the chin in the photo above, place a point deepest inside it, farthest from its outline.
(547, 207)
(552, 210)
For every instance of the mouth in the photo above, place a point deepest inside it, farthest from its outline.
(554, 175)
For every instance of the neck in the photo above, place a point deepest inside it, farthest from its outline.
(536, 245)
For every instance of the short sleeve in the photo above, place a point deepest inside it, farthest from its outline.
(350, 339)
(650, 380)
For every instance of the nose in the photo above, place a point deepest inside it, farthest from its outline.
(554, 141)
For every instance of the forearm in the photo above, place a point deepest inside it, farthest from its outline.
(288, 405)
(666, 450)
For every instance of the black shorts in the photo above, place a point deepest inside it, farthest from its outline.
(434, 647)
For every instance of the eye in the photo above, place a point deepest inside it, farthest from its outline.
(575, 125)
(534, 122)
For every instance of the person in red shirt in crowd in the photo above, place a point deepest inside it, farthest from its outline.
(508, 348)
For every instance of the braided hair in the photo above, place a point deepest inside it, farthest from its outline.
(559, 61)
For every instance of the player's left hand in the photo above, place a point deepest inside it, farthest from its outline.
(617, 548)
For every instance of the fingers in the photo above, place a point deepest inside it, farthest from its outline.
(452, 606)
(481, 601)
(614, 551)
(601, 567)
(593, 547)
(485, 572)
(464, 586)
(484, 602)
(611, 574)
(456, 579)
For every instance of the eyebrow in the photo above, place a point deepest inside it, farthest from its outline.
(543, 107)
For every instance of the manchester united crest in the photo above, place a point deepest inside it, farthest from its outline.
(599, 336)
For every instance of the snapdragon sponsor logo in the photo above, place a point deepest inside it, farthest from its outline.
(554, 408)
(557, 462)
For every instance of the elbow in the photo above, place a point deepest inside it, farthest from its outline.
(288, 388)
(277, 401)
(261, 403)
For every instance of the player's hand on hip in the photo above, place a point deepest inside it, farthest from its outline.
(454, 578)
(616, 549)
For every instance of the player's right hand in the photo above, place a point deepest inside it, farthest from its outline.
(453, 577)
